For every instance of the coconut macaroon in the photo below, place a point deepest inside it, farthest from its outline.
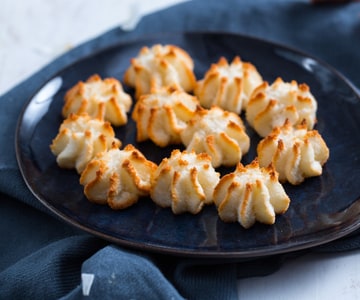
(270, 105)
(99, 98)
(219, 133)
(250, 194)
(185, 182)
(161, 115)
(228, 85)
(80, 138)
(117, 177)
(296, 153)
(158, 66)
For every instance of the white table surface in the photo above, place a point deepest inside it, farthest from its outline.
(34, 32)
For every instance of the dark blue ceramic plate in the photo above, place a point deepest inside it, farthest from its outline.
(322, 209)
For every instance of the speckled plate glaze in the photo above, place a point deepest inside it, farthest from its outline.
(322, 208)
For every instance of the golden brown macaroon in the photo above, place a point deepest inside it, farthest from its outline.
(117, 177)
(250, 194)
(185, 182)
(159, 66)
(161, 115)
(295, 152)
(99, 98)
(80, 138)
(270, 105)
(219, 133)
(228, 85)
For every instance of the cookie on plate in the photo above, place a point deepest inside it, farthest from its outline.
(80, 138)
(99, 98)
(228, 85)
(270, 105)
(250, 194)
(185, 182)
(219, 133)
(295, 152)
(161, 115)
(117, 177)
(159, 66)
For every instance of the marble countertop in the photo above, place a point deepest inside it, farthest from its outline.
(34, 32)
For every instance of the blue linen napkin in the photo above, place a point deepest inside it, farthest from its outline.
(41, 257)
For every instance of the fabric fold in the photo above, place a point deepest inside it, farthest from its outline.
(50, 272)
(119, 274)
